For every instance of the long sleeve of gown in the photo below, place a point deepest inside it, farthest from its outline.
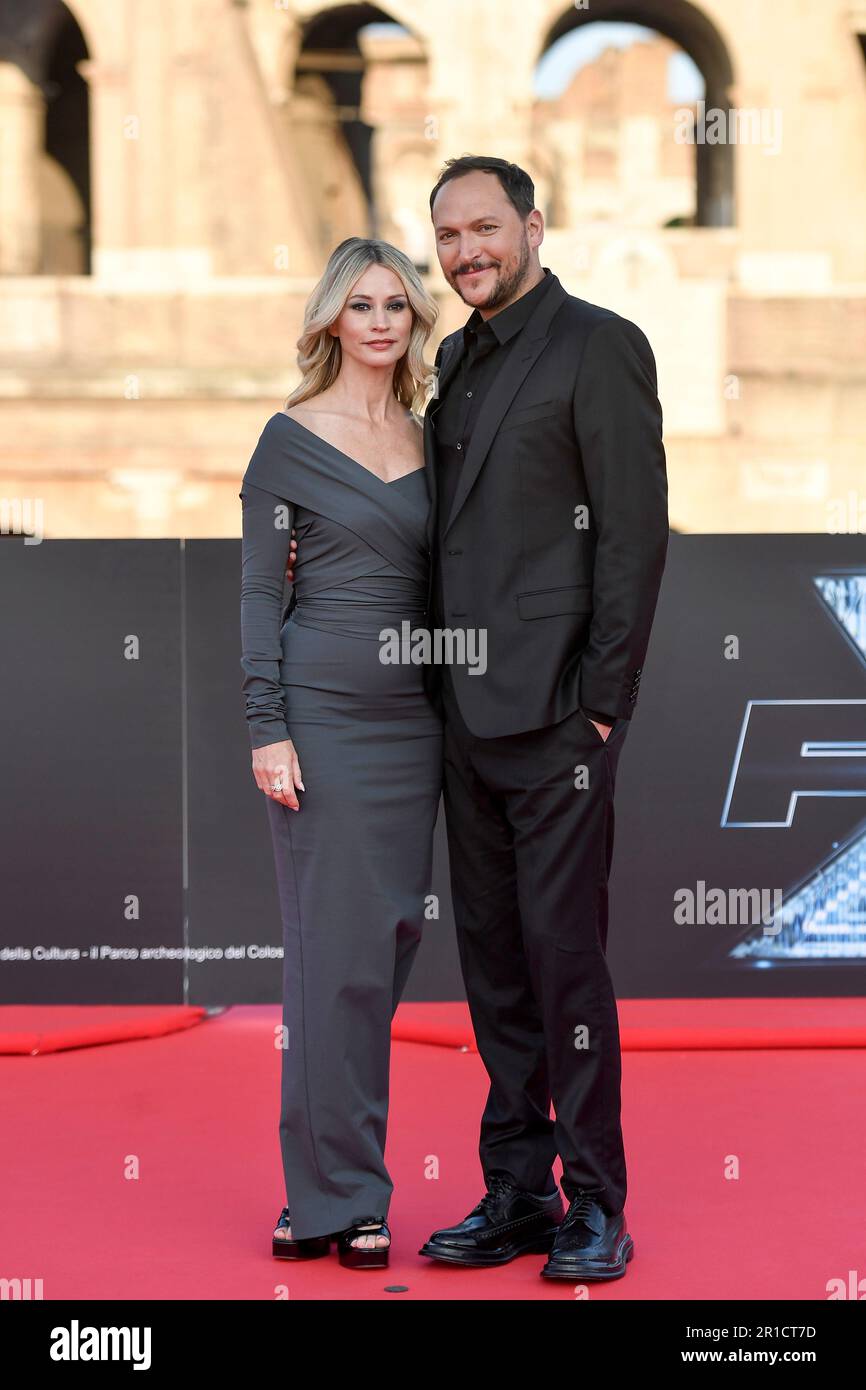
(267, 533)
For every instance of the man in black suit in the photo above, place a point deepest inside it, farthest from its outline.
(548, 534)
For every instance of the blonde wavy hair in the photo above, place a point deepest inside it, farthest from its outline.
(320, 353)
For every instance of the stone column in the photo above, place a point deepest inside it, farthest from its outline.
(22, 139)
(113, 175)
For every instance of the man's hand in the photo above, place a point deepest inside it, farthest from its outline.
(603, 729)
(601, 726)
(293, 547)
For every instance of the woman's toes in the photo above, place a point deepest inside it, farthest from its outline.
(371, 1242)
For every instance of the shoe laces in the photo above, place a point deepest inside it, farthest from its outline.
(579, 1207)
(497, 1188)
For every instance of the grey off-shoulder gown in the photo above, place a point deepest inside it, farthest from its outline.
(354, 864)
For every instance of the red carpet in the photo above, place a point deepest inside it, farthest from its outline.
(651, 1025)
(29, 1030)
(150, 1169)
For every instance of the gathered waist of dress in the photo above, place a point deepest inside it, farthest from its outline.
(362, 607)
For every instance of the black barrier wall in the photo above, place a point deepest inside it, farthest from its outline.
(92, 755)
(136, 855)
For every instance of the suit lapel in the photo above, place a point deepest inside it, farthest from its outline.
(452, 353)
(525, 351)
(449, 366)
(430, 461)
(496, 402)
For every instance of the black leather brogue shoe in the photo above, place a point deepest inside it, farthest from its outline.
(590, 1243)
(505, 1223)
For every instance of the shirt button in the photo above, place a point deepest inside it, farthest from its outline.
(459, 446)
(469, 393)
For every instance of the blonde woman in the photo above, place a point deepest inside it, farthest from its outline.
(346, 747)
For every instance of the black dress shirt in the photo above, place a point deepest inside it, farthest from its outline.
(488, 343)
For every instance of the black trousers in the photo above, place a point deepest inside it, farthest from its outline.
(530, 823)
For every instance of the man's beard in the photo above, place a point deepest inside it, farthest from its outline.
(505, 285)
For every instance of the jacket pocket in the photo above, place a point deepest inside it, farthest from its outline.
(523, 416)
(546, 603)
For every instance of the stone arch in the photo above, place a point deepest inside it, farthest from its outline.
(690, 27)
(330, 69)
(46, 168)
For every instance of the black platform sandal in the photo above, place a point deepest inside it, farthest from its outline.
(287, 1249)
(353, 1256)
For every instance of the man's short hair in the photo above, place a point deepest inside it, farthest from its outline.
(517, 184)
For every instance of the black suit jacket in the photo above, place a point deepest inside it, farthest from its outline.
(557, 536)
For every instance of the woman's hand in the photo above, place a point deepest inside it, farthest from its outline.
(276, 765)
